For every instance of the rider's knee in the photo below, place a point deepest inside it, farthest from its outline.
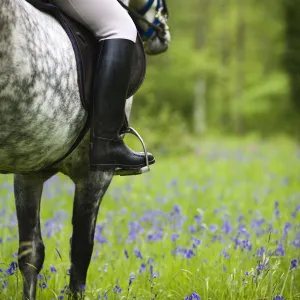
(123, 28)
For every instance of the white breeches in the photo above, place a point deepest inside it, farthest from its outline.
(107, 19)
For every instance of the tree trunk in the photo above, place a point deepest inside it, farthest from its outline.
(200, 81)
(241, 32)
(292, 55)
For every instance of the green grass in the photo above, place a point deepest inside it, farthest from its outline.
(236, 182)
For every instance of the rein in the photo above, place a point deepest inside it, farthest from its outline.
(139, 16)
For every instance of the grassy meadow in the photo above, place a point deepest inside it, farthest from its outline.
(222, 222)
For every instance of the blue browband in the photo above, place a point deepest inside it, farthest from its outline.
(147, 34)
(148, 5)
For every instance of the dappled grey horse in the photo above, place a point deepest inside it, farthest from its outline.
(41, 115)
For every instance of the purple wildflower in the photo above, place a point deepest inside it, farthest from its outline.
(131, 278)
(192, 229)
(213, 228)
(41, 277)
(12, 268)
(247, 245)
(276, 210)
(142, 268)
(198, 219)
(227, 228)
(43, 285)
(4, 284)
(260, 252)
(287, 227)
(53, 269)
(261, 267)
(192, 296)
(225, 254)
(174, 237)
(196, 242)
(138, 254)
(293, 264)
(240, 218)
(126, 254)
(153, 274)
(280, 250)
(117, 289)
(177, 209)
(278, 297)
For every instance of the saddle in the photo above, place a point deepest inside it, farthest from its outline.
(85, 46)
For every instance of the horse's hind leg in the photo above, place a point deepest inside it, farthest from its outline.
(28, 191)
(88, 194)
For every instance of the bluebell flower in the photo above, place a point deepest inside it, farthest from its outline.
(213, 228)
(280, 250)
(278, 298)
(293, 264)
(52, 269)
(43, 285)
(260, 252)
(40, 277)
(4, 284)
(192, 229)
(196, 242)
(192, 296)
(177, 209)
(150, 261)
(126, 254)
(189, 254)
(198, 219)
(261, 267)
(138, 254)
(131, 278)
(153, 274)
(117, 289)
(174, 237)
(225, 254)
(227, 228)
(240, 218)
(12, 268)
(142, 268)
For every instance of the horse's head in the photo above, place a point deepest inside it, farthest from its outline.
(151, 17)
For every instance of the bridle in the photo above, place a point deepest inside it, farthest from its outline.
(157, 25)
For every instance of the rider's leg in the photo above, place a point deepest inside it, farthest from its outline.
(117, 35)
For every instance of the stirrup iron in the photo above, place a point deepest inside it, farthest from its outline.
(124, 172)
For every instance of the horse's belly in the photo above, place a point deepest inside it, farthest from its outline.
(40, 110)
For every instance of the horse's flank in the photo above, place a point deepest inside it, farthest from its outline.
(40, 109)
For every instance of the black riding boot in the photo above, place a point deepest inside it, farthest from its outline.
(107, 149)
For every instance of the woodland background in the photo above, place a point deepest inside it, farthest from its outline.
(232, 69)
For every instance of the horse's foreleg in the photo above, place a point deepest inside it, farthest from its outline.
(88, 195)
(28, 191)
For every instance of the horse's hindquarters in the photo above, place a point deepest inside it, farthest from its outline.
(40, 109)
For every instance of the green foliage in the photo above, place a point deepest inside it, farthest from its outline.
(237, 49)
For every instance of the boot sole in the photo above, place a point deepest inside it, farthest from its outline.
(104, 167)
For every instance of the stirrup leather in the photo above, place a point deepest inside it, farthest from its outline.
(123, 172)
